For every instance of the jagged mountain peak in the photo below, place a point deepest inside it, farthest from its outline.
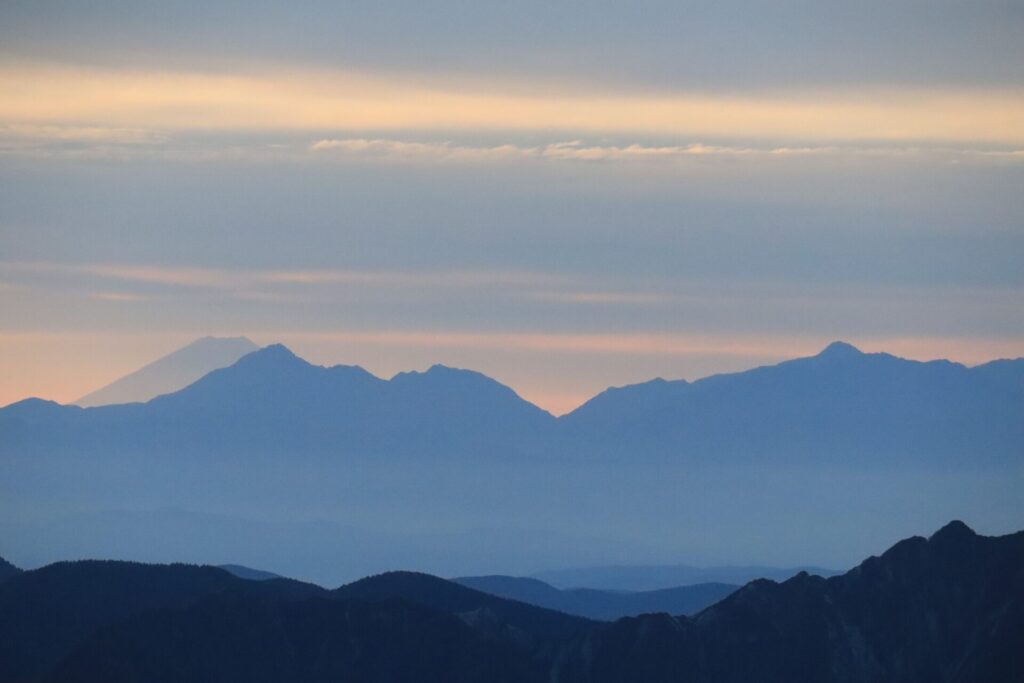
(272, 353)
(439, 372)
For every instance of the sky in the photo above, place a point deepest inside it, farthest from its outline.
(565, 196)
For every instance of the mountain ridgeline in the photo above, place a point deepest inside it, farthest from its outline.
(948, 609)
(842, 405)
(331, 473)
(271, 400)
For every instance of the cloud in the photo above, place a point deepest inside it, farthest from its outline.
(30, 133)
(599, 297)
(116, 296)
(285, 99)
(247, 281)
(578, 151)
(428, 151)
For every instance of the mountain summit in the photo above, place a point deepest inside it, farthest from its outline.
(840, 349)
(172, 372)
(841, 404)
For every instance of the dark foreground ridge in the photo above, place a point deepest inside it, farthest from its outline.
(945, 609)
(7, 569)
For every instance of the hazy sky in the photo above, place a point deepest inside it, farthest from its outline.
(563, 195)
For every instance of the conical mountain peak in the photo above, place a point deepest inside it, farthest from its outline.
(953, 531)
(840, 349)
(172, 372)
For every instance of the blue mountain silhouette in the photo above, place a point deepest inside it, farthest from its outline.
(840, 405)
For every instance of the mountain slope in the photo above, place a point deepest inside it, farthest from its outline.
(249, 573)
(113, 621)
(949, 608)
(841, 404)
(7, 569)
(46, 612)
(171, 372)
(229, 638)
(601, 604)
(451, 597)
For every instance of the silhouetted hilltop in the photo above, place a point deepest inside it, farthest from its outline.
(449, 596)
(47, 611)
(604, 605)
(172, 372)
(950, 608)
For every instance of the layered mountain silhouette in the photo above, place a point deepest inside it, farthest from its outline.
(124, 621)
(948, 609)
(645, 578)
(171, 372)
(605, 605)
(46, 613)
(841, 405)
(450, 596)
(271, 400)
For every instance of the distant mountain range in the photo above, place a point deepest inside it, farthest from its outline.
(657, 577)
(172, 372)
(841, 405)
(271, 400)
(949, 609)
(604, 605)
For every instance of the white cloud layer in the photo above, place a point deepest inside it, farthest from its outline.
(577, 150)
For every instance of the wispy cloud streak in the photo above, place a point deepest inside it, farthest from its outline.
(579, 151)
(289, 99)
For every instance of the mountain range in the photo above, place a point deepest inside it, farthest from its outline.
(841, 405)
(331, 473)
(647, 578)
(947, 609)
